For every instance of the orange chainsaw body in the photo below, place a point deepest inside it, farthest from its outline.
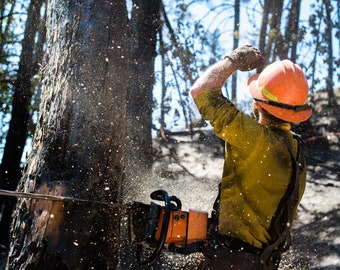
(184, 227)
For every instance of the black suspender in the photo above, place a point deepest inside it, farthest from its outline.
(289, 201)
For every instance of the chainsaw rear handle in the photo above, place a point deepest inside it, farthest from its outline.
(159, 195)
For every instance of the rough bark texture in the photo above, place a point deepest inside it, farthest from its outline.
(235, 45)
(144, 25)
(329, 80)
(274, 34)
(292, 32)
(263, 32)
(10, 170)
(78, 147)
(268, 43)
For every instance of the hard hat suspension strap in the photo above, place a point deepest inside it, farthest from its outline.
(294, 108)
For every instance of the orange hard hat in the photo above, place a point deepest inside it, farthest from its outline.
(282, 90)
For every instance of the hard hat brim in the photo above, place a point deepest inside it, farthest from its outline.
(281, 113)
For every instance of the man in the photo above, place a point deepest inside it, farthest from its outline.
(264, 174)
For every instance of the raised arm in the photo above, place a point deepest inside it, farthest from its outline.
(214, 77)
(244, 58)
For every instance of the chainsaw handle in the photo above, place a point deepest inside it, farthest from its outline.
(177, 201)
(158, 195)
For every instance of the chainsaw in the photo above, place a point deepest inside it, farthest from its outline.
(168, 227)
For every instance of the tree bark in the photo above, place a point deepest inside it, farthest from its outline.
(330, 62)
(316, 24)
(275, 35)
(79, 144)
(268, 43)
(144, 27)
(263, 32)
(235, 45)
(10, 169)
(292, 32)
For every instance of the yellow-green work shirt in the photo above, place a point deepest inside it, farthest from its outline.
(256, 173)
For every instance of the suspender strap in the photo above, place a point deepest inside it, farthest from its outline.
(289, 201)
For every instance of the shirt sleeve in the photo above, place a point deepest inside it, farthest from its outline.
(229, 123)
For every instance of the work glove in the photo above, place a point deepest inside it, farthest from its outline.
(246, 57)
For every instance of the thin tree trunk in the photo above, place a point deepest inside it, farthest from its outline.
(144, 26)
(10, 170)
(275, 35)
(295, 10)
(317, 42)
(79, 144)
(236, 41)
(329, 42)
(263, 32)
(291, 35)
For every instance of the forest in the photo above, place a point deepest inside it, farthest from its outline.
(92, 92)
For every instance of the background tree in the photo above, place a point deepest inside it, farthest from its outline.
(145, 21)
(315, 23)
(323, 30)
(329, 45)
(79, 144)
(235, 45)
(264, 25)
(292, 34)
(271, 29)
(10, 168)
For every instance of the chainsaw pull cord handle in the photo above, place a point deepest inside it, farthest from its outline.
(159, 195)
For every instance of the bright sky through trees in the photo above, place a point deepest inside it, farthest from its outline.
(217, 20)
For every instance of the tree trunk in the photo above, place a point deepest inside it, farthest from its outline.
(79, 144)
(274, 35)
(144, 25)
(263, 32)
(316, 26)
(292, 32)
(236, 41)
(329, 44)
(10, 170)
(269, 46)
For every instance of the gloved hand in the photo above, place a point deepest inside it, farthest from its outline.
(246, 58)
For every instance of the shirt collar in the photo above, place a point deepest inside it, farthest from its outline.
(283, 126)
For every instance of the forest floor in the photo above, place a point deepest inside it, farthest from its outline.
(190, 167)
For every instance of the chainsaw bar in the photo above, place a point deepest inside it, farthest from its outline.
(47, 197)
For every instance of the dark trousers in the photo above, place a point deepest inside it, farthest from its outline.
(222, 258)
